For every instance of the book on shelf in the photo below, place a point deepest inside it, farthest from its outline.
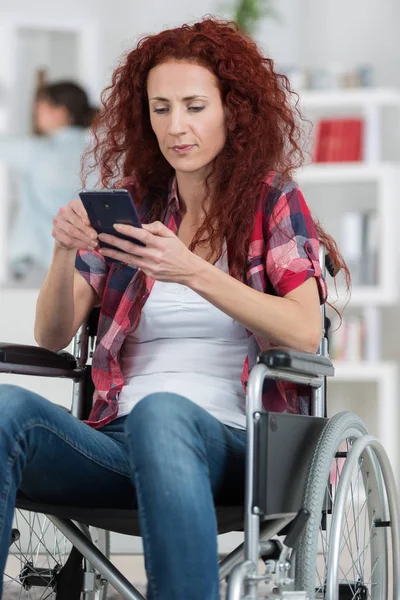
(357, 337)
(359, 234)
(347, 341)
(339, 140)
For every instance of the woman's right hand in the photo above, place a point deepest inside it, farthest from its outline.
(72, 229)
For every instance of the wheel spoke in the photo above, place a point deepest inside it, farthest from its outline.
(39, 551)
(372, 572)
(36, 554)
(40, 539)
(355, 519)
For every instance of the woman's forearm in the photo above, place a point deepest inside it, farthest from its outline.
(282, 321)
(55, 304)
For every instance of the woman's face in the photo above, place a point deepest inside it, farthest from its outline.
(187, 115)
(49, 117)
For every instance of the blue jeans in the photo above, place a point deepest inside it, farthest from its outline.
(169, 458)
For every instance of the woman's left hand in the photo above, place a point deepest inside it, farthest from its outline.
(165, 257)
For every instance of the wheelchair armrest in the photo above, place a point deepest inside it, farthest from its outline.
(22, 355)
(297, 362)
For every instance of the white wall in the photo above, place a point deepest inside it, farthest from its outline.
(350, 32)
(123, 21)
(108, 15)
(17, 314)
(281, 37)
(314, 32)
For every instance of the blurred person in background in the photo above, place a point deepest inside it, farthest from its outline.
(46, 171)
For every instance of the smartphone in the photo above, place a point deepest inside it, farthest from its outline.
(105, 208)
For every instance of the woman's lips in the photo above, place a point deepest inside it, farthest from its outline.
(182, 149)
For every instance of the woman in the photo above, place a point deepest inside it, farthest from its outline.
(201, 130)
(46, 172)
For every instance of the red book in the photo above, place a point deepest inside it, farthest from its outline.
(339, 140)
(320, 147)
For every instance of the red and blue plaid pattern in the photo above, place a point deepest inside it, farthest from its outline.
(283, 254)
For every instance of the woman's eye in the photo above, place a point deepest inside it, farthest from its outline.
(162, 111)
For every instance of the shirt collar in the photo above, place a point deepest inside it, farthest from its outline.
(173, 198)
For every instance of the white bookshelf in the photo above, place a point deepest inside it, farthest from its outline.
(368, 102)
(346, 172)
(384, 374)
(364, 296)
(363, 370)
(350, 97)
(382, 179)
(386, 178)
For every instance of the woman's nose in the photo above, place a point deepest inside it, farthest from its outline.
(177, 123)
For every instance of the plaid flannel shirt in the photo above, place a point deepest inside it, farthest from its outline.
(283, 254)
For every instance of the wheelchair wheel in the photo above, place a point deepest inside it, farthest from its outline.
(350, 546)
(38, 553)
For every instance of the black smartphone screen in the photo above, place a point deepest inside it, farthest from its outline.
(105, 208)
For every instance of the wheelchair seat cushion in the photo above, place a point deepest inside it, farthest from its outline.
(230, 518)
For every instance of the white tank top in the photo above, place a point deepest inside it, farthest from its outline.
(185, 345)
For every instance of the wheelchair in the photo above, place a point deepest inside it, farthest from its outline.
(320, 517)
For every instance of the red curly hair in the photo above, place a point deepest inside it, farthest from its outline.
(263, 132)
